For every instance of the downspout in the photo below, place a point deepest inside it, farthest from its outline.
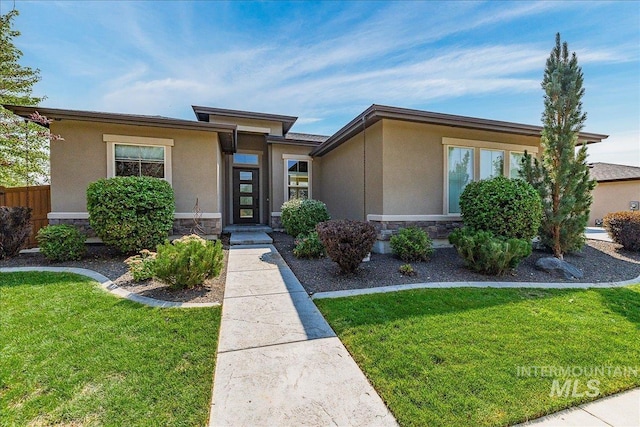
(364, 167)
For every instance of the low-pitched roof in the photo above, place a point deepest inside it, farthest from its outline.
(612, 172)
(202, 113)
(226, 133)
(292, 138)
(376, 113)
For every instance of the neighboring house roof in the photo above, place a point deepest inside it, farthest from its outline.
(298, 139)
(202, 113)
(226, 133)
(375, 113)
(612, 172)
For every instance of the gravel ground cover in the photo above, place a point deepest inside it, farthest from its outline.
(110, 263)
(600, 262)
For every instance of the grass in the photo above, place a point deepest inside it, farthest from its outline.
(451, 357)
(72, 354)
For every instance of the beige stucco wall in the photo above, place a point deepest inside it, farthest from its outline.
(613, 197)
(275, 127)
(82, 158)
(413, 177)
(277, 172)
(342, 175)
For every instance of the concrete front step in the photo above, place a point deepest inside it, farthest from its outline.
(241, 228)
(250, 238)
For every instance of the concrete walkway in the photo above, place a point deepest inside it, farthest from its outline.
(279, 362)
(619, 410)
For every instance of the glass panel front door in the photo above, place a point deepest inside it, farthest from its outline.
(246, 196)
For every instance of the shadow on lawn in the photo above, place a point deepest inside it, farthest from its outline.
(623, 301)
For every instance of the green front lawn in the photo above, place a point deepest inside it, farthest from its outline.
(72, 354)
(454, 356)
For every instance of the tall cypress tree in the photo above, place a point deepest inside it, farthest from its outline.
(24, 151)
(561, 176)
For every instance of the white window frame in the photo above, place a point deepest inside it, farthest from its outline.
(113, 140)
(298, 157)
(477, 146)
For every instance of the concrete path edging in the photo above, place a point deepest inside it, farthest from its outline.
(109, 286)
(443, 285)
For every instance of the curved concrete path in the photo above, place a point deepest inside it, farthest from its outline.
(279, 362)
(108, 285)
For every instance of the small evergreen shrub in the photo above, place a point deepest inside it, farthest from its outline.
(188, 261)
(61, 243)
(509, 208)
(308, 246)
(15, 229)
(131, 213)
(300, 216)
(347, 242)
(411, 244)
(407, 270)
(488, 254)
(141, 266)
(624, 228)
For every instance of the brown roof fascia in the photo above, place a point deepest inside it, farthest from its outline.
(226, 133)
(377, 112)
(291, 141)
(202, 113)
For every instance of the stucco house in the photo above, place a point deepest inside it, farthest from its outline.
(392, 166)
(617, 189)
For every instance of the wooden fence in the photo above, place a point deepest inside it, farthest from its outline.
(39, 200)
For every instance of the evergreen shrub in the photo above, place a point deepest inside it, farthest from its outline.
(485, 253)
(411, 244)
(300, 216)
(509, 208)
(131, 213)
(188, 261)
(308, 246)
(61, 243)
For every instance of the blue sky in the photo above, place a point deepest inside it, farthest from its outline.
(327, 62)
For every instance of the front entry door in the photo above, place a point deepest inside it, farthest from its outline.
(246, 196)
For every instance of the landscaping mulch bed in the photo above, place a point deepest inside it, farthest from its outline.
(600, 262)
(110, 263)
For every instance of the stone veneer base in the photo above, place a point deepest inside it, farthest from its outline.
(181, 226)
(437, 231)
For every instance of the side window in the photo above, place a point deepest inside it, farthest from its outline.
(139, 160)
(297, 179)
(515, 164)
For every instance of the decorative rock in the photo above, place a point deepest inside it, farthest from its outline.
(559, 267)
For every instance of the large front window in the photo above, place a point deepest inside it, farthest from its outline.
(139, 160)
(460, 174)
(297, 179)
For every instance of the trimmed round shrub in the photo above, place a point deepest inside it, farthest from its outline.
(624, 228)
(61, 243)
(509, 208)
(131, 213)
(15, 229)
(347, 242)
(188, 261)
(308, 246)
(300, 216)
(411, 244)
(485, 253)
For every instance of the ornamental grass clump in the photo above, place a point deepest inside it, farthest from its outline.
(15, 229)
(300, 216)
(411, 244)
(347, 242)
(308, 246)
(624, 228)
(188, 261)
(61, 243)
(485, 253)
(131, 213)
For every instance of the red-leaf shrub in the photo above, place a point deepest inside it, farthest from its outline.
(15, 229)
(624, 228)
(347, 242)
